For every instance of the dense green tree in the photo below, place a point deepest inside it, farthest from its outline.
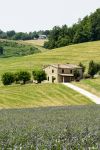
(1, 50)
(23, 76)
(76, 74)
(39, 75)
(10, 34)
(7, 78)
(83, 32)
(95, 25)
(92, 70)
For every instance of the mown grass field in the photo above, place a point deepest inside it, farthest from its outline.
(38, 42)
(70, 54)
(33, 95)
(54, 128)
(91, 85)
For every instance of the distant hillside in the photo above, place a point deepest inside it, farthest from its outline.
(13, 48)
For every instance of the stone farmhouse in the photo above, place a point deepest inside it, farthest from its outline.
(59, 73)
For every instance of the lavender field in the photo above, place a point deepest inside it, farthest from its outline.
(50, 128)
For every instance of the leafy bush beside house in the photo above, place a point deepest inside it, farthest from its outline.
(93, 69)
(39, 75)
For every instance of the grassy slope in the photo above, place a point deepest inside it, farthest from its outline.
(39, 95)
(39, 42)
(70, 54)
(92, 85)
(16, 48)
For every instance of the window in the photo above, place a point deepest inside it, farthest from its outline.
(48, 78)
(62, 70)
(71, 71)
(52, 71)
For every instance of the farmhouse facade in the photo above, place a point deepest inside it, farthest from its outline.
(59, 73)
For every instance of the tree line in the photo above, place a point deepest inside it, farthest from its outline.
(12, 35)
(22, 77)
(87, 29)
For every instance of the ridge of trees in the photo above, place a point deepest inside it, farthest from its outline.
(85, 30)
(12, 35)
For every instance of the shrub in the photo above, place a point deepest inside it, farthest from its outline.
(92, 68)
(76, 74)
(23, 76)
(39, 75)
(8, 78)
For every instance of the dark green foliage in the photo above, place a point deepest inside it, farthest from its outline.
(76, 74)
(11, 48)
(39, 75)
(12, 35)
(16, 77)
(23, 76)
(83, 67)
(1, 50)
(95, 25)
(7, 78)
(85, 30)
(52, 128)
(93, 68)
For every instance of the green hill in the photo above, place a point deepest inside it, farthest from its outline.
(69, 54)
(46, 94)
(15, 48)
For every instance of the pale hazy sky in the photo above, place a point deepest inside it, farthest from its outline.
(30, 15)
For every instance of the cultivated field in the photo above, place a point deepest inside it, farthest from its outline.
(92, 85)
(54, 128)
(24, 96)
